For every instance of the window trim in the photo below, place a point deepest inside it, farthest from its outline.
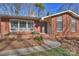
(19, 29)
(19, 25)
(75, 25)
(57, 25)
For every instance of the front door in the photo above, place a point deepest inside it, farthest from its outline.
(43, 27)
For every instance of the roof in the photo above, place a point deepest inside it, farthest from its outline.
(68, 11)
(36, 18)
(19, 17)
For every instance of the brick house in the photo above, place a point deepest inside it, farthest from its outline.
(62, 24)
(18, 24)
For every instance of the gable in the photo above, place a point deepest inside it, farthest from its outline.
(69, 12)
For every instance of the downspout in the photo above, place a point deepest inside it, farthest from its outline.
(40, 24)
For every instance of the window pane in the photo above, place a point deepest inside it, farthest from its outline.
(59, 24)
(30, 26)
(22, 26)
(14, 29)
(73, 29)
(14, 25)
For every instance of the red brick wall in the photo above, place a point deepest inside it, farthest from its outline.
(66, 26)
(4, 25)
(66, 19)
(37, 26)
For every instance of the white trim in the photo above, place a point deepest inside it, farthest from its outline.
(69, 11)
(26, 26)
(19, 20)
(73, 21)
(9, 26)
(57, 24)
(19, 24)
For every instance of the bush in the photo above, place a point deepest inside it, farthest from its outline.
(39, 38)
(33, 32)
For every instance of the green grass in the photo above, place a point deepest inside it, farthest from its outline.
(55, 52)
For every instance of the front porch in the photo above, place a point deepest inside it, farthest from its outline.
(45, 27)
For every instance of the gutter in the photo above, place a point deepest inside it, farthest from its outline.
(68, 11)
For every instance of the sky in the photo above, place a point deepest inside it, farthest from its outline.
(49, 7)
(52, 7)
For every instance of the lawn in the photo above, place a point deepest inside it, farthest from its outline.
(55, 52)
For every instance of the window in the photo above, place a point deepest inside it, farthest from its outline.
(59, 24)
(30, 26)
(14, 26)
(21, 26)
(73, 26)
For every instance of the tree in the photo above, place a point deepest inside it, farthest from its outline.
(19, 8)
(40, 8)
(69, 6)
(8, 8)
(35, 8)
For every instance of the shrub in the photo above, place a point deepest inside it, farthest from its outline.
(33, 32)
(39, 38)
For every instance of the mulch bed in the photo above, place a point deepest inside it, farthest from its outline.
(19, 42)
(7, 44)
(71, 43)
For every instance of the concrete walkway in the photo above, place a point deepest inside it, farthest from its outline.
(24, 51)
